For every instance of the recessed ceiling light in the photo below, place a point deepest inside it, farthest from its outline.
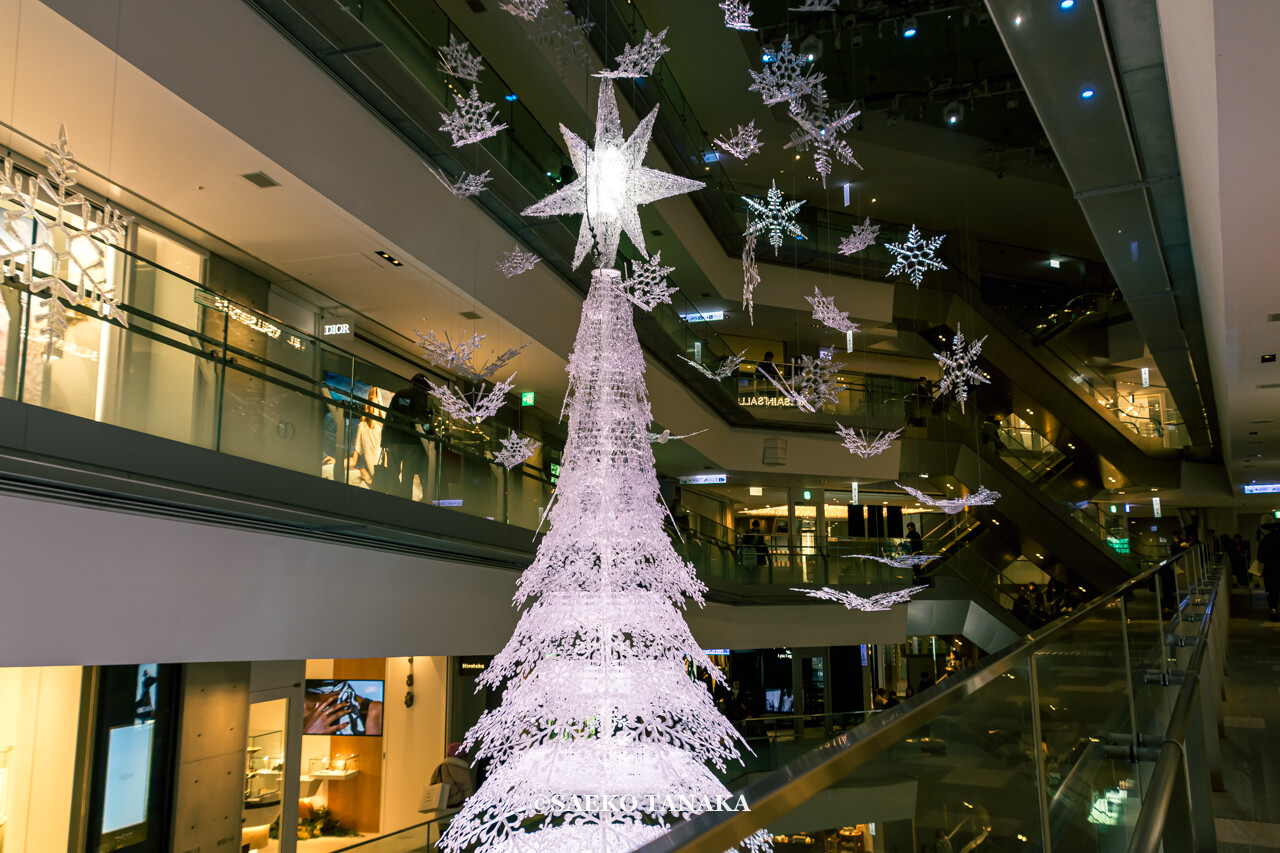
(909, 27)
(1268, 358)
(388, 258)
(1086, 94)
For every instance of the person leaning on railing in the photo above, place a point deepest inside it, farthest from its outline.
(410, 417)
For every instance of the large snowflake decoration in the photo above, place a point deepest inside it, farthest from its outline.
(744, 143)
(774, 217)
(903, 561)
(472, 121)
(960, 367)
(527, 9)
(611, 183)
(456, 60)
(853, 601)
(817, 6)
(800, 401)
(475, 404)
(750, 273)
(459, 358)
(665, 436)
(647, 287)
(785, 77)
(821, 131)
(737, 15)
(826, 313)
(639, 60)
(516, 262)
(817, 380)
(565, 35)
(595, 686)
(55, 242)
(862, 237)
(515, 450)
(915, 256)
(862, 444)
(724, 371)
(469, 184)
(951, 506)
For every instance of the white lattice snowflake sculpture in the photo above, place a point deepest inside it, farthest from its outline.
(853, 601)
(951, 506)
(915, 256)
(515, 450)
(817, 380)
(598, 698)
(665, 436)
(564, 34)
(826, 313)
(55, 242)
(527, 9)
(821, 130)
(469, 184)
(817, 6)
(472, 121)
(862, 444)
(960, 367)
(460, 358)
(516, 262)
(473, 404)
(903, 561)
(862, 237)
(639, 60)
(647, 286)
(774, 217)
(611, 183)
(785, 77)
(456, 60)
(737, 15)
(744, 143)
(721, 373)
(750, 273)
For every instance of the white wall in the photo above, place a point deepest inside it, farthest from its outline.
(39, 715)
(413, 738)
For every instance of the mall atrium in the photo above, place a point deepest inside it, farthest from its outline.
(844, 426)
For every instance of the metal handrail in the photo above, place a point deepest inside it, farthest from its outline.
(784, 790)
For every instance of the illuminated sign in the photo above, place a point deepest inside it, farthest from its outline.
(703, 479)
(1262, 489)
(702, 316)
(715, 651)
(1155, 507)
(526, 398)
(1146, 377)
(337, 329)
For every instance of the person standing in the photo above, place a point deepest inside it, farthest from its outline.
(915, 542)
(767, 371)
(409, 419)
(1269, 557)
(366, 456)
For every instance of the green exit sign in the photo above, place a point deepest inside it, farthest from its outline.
(808, 495)
(526, 398)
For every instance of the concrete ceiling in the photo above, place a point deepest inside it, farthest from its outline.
(1223, 72)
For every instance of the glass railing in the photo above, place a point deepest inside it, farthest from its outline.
(1043, 746)
(197, 368)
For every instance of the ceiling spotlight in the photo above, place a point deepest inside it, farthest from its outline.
(909, 27)
(1066, 4)
(954, 113)
(1086, 94)
(1055, 263)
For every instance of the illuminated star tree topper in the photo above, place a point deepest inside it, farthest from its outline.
(774, 217)
(960, 367)
(611, 184)
(915, 256)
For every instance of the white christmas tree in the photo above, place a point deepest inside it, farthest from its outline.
(602, 740)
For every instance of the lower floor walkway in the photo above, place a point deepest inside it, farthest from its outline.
(1248, 812)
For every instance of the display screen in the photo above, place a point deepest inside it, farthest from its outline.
(128, 778)
(342, 707)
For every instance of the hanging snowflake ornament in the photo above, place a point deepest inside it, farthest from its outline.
(821, 130)
(904, 561)
(817, 6)
(639, 60)
(724, 371)
(647, 287)
(800, 401)
(817, 380)
(951, 506)
(475, 404)
(853, 601)
(915, 256)
(774, 217)
(665, 436)
(516, 262)
(785, 77)
(515, 450)
(469, 185)
(960, 368)
(826, 313)
(472, 121)
(595, 683)
(611, 184)
(459, 358)
(750, 273)
(55, 242)
(737, 15)
(862, 444)
(456, 60)
(744, 143)
(527, 9)
(564, 34)
(862, 237)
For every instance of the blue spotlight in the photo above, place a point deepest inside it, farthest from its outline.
(1086, 94)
